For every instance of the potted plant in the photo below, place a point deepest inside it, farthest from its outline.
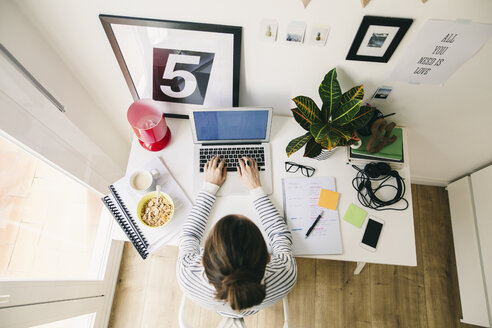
(333, 125)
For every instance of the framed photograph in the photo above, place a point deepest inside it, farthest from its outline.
(377, 38)
(181, 65)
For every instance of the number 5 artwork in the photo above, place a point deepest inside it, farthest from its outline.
(181, 76)
(179, 64)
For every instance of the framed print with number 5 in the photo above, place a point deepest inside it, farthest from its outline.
(181, 65)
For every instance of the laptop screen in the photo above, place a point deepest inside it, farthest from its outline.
(231, 125)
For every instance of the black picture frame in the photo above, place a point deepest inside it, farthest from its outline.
(108, 21)
(371, 24)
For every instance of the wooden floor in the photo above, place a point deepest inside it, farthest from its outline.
(327, 293)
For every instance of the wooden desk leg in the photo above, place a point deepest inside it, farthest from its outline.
(359, 267)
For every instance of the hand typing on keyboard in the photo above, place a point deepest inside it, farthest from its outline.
(232, 156)
(215, 171)
(248, 173)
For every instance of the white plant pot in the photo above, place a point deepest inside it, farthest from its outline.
(356, 145)
(325, 154)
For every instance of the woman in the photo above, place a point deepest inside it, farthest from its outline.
(234, 274)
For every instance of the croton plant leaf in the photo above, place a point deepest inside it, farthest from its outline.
(335, 124)
(346, 112)
(297, 143)
(312, 149)
(354, 93)
(301, 119)
(348, 142)
(319, 131)
(308, 109)
(362, 118)
(330, 93)
(331, 140)
(345, 132)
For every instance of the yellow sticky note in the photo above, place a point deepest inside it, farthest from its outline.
(328, 199)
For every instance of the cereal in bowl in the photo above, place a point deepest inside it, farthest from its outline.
(156, 213)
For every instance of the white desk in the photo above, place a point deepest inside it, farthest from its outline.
(397, 243)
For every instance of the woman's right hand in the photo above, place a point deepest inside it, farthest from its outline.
(214, 171)
(248, 173)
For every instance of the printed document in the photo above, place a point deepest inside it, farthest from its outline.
(301, 209)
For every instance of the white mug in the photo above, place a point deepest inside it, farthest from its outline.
(144, 181)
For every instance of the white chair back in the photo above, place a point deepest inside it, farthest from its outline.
(232, 323)
(226, 321)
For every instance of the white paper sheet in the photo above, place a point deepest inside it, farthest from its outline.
(301, 209)
(439, 49)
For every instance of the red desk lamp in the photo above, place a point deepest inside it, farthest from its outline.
(149, 124)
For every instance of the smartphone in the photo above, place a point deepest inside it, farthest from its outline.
(371, 234)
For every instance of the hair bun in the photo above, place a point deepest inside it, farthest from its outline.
(239, 276)
(242, 289)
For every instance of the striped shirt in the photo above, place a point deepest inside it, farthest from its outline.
(280, 273)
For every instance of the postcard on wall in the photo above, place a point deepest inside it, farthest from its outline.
(382, 92)
(319, 35)
(439, 50)
(268, 30)
(295, 32)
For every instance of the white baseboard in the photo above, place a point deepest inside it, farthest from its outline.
(428, 181)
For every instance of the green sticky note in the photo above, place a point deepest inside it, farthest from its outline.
(355, 215)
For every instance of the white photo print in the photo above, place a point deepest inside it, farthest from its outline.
(377, 40)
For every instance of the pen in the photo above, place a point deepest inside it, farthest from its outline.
(314, 224)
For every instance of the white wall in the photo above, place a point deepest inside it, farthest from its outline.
(447, 125)
(24, 41)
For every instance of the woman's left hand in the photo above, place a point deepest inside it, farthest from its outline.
(248, 173)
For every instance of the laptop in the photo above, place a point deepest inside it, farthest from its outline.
(232, 133)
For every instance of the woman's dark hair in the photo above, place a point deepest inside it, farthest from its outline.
(234, 258)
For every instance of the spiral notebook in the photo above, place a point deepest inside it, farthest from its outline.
(122, 203)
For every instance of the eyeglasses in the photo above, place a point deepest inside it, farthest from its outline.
(292, 167)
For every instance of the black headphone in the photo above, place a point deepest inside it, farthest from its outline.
(373, 172)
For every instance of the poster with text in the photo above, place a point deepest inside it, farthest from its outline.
(439, 50)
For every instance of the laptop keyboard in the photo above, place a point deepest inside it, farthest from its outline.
(232, 154)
